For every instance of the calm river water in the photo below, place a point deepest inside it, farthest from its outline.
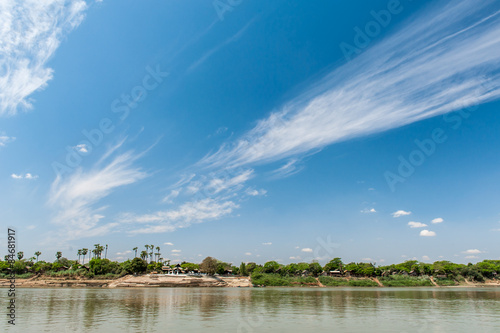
(256, 310)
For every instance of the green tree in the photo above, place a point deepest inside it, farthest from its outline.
(334, 264)
(135, 250)
(243, 269)
(37, 254)
(271, 267)
(79, 253)
(20, 255)
(58, 255)
(315, 268)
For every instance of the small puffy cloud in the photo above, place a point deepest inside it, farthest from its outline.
(426, 258)
(427, 233)
(294, 258)
(306, 249)
(367, 259)
(254, 192)
(471, 257)
(25, 176)
(472, 251)
(268, 243)
(123, 253)
(368, 210)
(4, 139)
(176, 251)
(82, 148)
(168, 243)
(416, 224)
(248, 253)
(400, 213)
(297, 247)
(437, 220)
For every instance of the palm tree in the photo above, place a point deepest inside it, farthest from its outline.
(20, 255)
(58, 255)
(37, 253)
(84, 253)
(147, 248)
(106, 253)
(152, 247)
(32, 259)
(79, 254)
(144, 255)
(135, 249)
(96, 250)
(157, 253)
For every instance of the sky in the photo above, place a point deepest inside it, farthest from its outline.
(252, 131)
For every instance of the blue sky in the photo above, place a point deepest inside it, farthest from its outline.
(252, 131)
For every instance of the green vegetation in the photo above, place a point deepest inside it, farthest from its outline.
(334, 273)
(405, 281)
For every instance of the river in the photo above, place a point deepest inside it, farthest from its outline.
(256, 310)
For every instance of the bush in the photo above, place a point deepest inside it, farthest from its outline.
(333, 282)
(406, 281)
(362, 283)
(270, 279)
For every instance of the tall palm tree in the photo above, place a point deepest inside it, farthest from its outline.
(135, 249)
(84, 253)
(144, 255)
(152, 247)
(58, 255)
(157, 253)
(106, 253)
(37, 253)
(147, 248)
(20, 255)
(96, 250)
(79, 255)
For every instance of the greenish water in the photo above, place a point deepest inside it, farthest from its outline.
(256, 310)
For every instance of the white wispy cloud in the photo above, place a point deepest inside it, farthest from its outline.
(172, 195)
(426, 258)
(471, 257)
(294, 258)
(400, 213)
(30, 33)
(176, 251)
(25, 176)
(169, 244)
(237, 181)
(182, 217)
(368, 210)
(290, 168)
(123, 253)
(427, 233)
(416, 224)
(306, 249)
(248, 253)
(75, 198)
(437, 220)
(267, 243)
(82, 148)
(440, 61)
(472, 251)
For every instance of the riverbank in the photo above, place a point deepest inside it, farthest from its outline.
(131, 281)
(160, 280)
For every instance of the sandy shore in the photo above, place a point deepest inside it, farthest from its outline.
(153, 280)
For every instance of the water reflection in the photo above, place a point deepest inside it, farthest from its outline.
(258, 310)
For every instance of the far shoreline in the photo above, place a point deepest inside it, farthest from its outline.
(206, 281)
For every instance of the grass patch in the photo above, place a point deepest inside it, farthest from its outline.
(333, 281)
(18, 276)
(406, 281)
(363, 283)
(445, 282)
(270, 279)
